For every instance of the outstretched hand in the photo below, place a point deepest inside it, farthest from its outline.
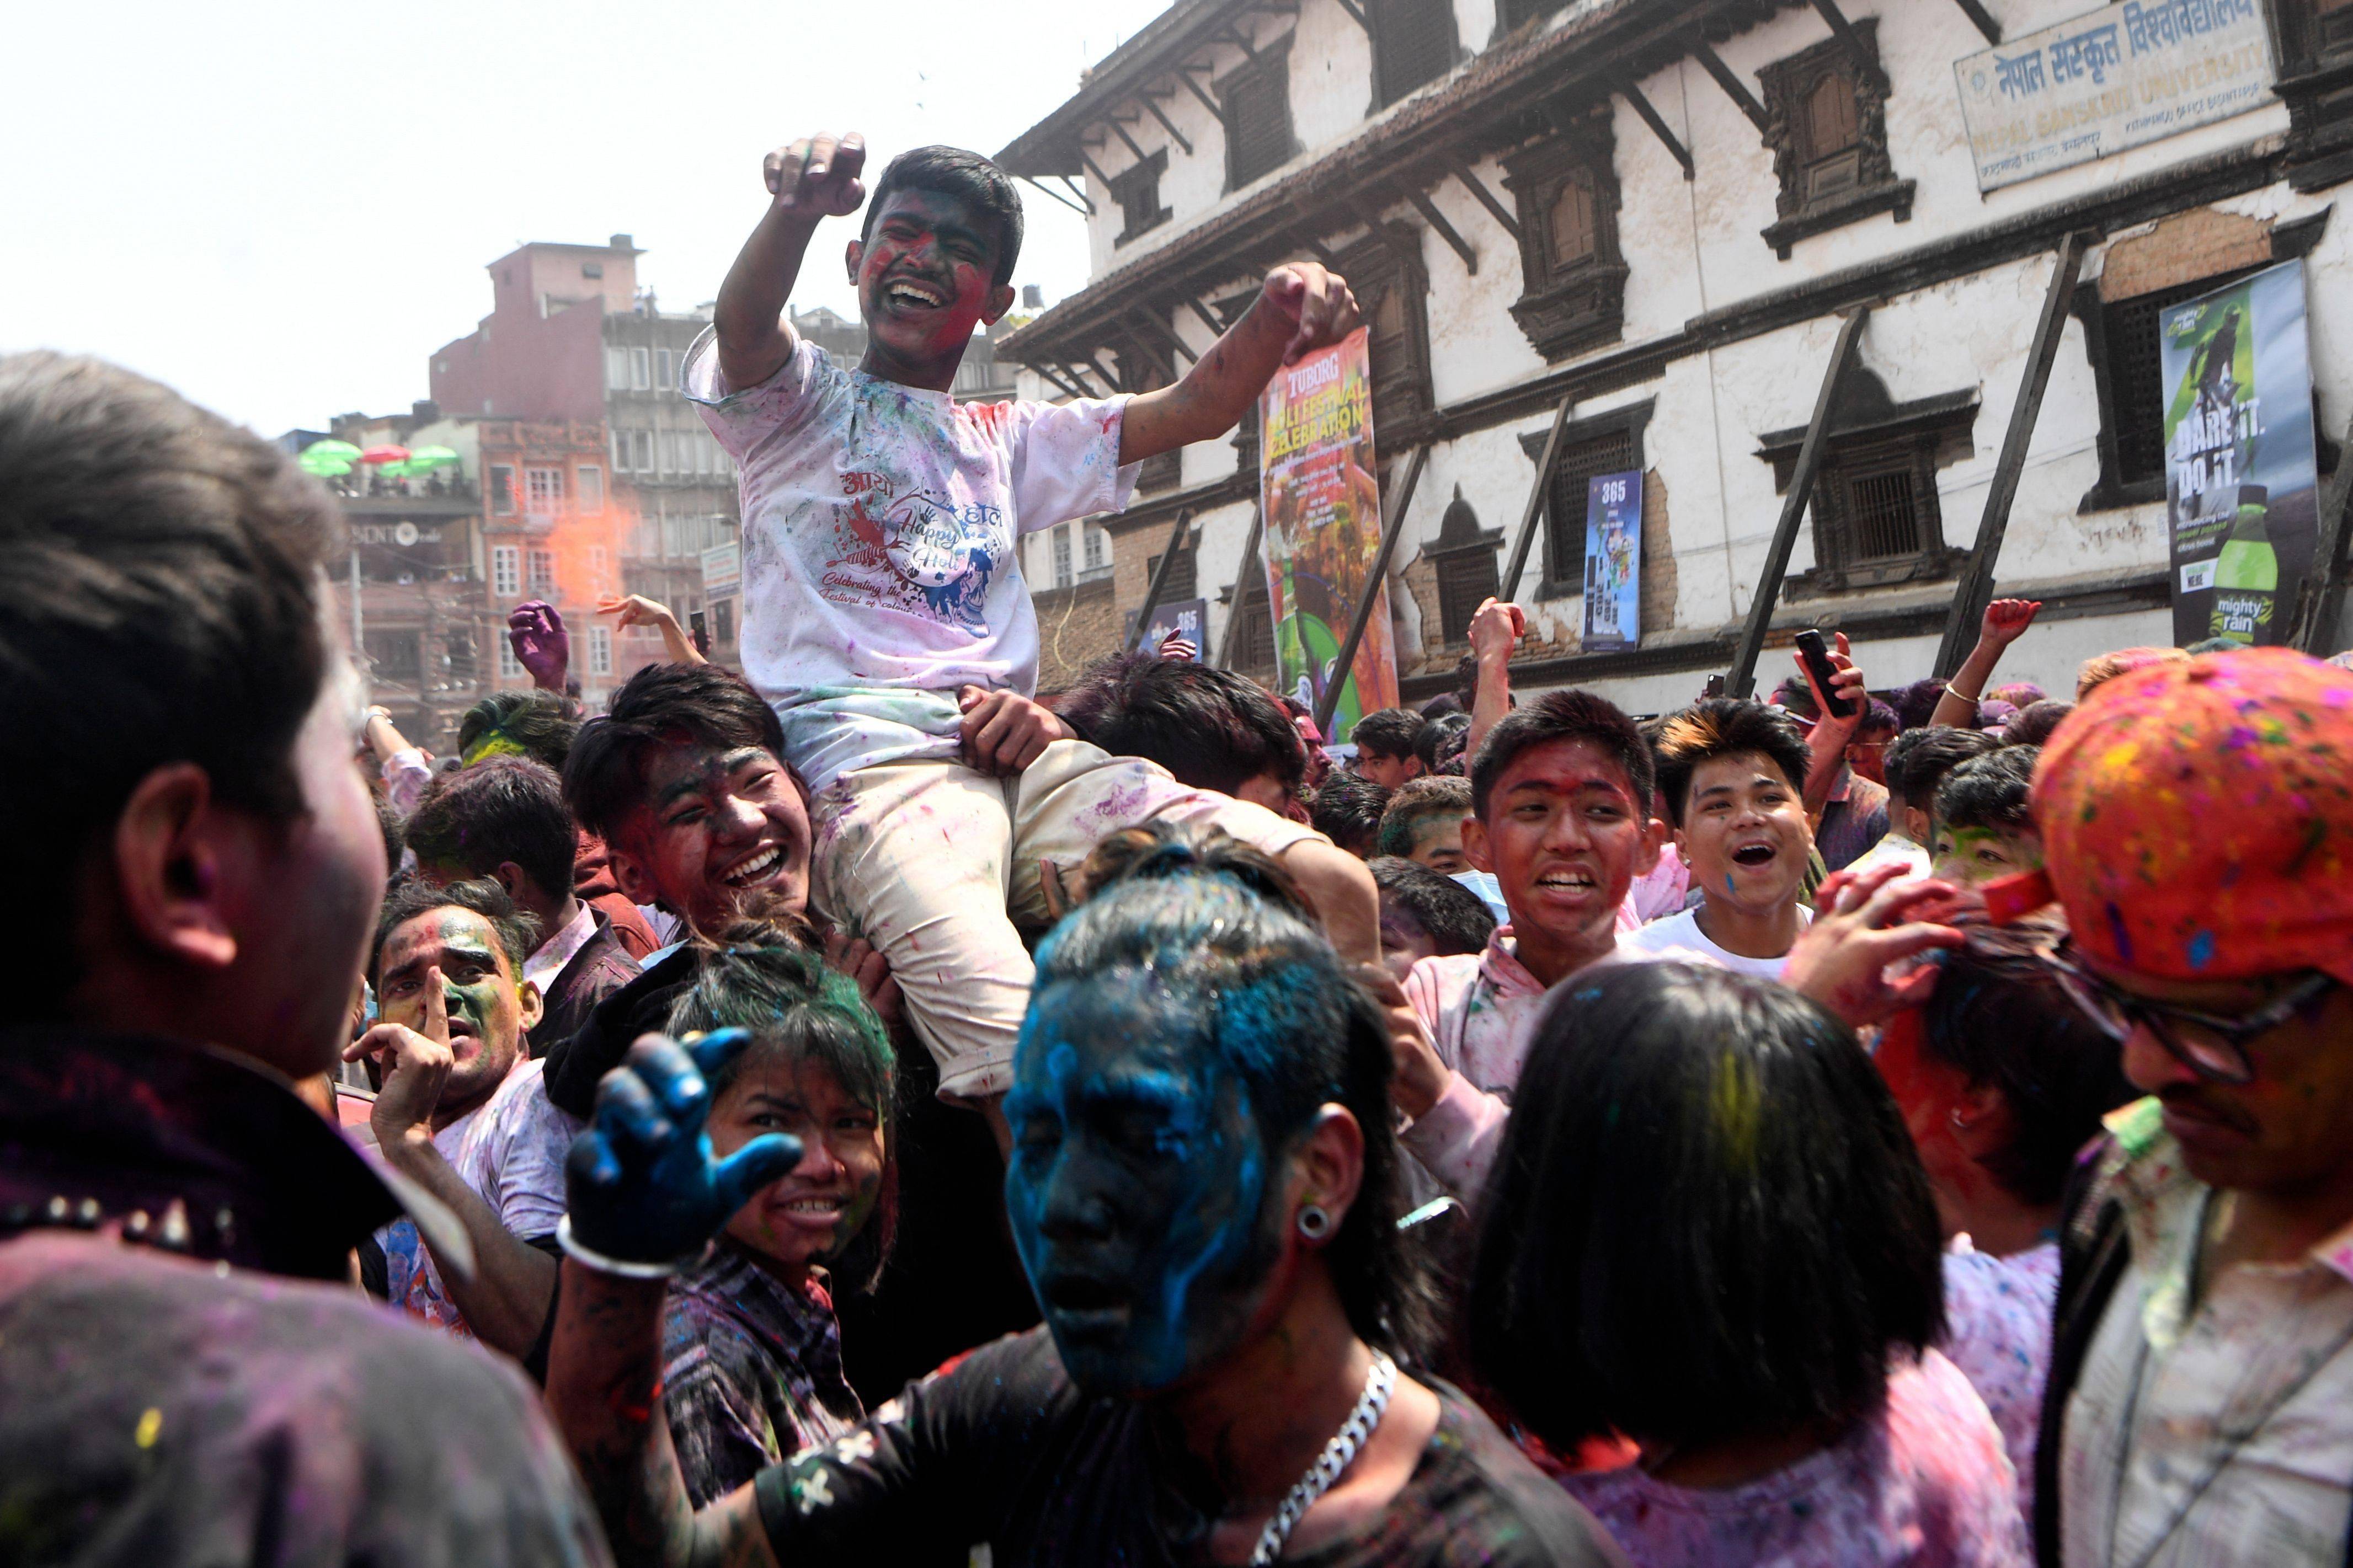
(817, 176)
(1865, 923)
(542, 646)
(643, 1185)
(2006, 620)
(1317, 301)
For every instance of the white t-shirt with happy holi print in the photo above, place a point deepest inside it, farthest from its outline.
(880, 573)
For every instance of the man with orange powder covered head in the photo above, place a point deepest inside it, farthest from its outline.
(2197, 820)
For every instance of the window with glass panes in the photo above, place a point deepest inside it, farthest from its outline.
(543, 573)
(502, 490)
(543, 489)
(1062, 556)
(600, 650)
(506, 570)
(589, 481)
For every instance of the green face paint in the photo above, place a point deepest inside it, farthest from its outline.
(1973, 855)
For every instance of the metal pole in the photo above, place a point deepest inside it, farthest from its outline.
(1537, 494)
(1742, 682)
(1242, 583)
(1346, 664)
(1976, 582)
(1160, 579)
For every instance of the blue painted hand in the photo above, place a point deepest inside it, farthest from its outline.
(644, 1187)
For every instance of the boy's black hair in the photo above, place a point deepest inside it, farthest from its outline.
(976, 180)
(1563, 716)
(1708, 1220)
(2034, 724)
(1457, 918)
(1999, 1016)
(1211, 728)
(1794, 695)
(1347, 810)
(517, 932)
(1989, 792)
(1878, 719)
(1387, 732)
(1917, 704)
(799, 1010)
(1724, 727)
(661, 706)
(541, 724)
(388, 823)
(1919, 760)
(1440, 706)
(161, 567)
(1417, 802)
(1440, 742)
(1260, 988)
(502, 808)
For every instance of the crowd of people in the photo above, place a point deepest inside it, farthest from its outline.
(848, 1111)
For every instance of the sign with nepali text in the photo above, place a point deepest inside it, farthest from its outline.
(1614, 562)
(2242, 485)
(722, 570)
(1322, 510)
(2114, 78)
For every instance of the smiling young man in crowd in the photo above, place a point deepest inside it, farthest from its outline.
(1732, 773)
(885, 619)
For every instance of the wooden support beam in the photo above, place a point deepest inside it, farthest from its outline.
(1734, 87)
(1250, 568)
(1079, 191)
(1742, 682)
(1184, 74)
(1976, 582)
(1081, 369)
(1240, 40)
(1059, 379)
(1167, 336)
(1357, 15)
(2323, 599)
(1486, 198)
(1167, 125)
(1346, 664)
(1369, 216)
(1852, 41)
(1095, 363)
(1984, 20)
(1136, 346)
(1086, 211)
(1208, 317)
(1133, 146)
(1160, 578)
(1658, 126)
(1092, 167)
(1445, 230)
(1539, 493)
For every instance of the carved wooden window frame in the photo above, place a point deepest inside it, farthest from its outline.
(1568, 306)
(1790, 86)
(1402, 395)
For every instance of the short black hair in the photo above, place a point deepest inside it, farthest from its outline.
(2034, 723)
(1571, 715)
(970, 178)
(162, 569)
(1278, 1008)
(503, 808)
(1919, 760)
(1457, 918)
(1706, 1220)
(1990, 792)
(1439, 744)
(1387, 732)
(1794, 695)
(1725, 727)
(517, 932)
(1917, 704)
(1999, 1016)
(1211, 728)
(538, 724)
(1416, 803)
(1878, 717)
(661, 707)
(1438, 706)
(799, 1010)
(1155, 851)
(1347, 810)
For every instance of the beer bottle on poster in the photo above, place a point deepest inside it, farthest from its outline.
(2246, 573)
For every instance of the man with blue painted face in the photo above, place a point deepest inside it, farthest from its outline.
(1204, 1188)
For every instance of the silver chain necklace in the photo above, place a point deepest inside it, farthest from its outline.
(1337, 1456)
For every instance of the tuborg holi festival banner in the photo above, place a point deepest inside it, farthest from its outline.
(2241, 493)
(1322, 511)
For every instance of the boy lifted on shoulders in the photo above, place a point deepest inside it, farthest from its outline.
(885, 619)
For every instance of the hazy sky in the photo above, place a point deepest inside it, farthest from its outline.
(282, 211)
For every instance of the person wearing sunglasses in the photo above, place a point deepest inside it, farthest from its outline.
(2196, 820)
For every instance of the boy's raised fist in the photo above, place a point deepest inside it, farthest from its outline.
(818, 176)
(1317, 300)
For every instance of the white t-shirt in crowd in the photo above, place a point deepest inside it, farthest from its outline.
(880, 573)
(1681, 932)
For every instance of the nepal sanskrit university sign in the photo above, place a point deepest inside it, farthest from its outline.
(2111, 79)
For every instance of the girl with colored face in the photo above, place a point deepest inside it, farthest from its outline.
(751, 1349)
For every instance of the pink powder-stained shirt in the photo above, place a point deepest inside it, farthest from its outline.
(1997, 1331)
(1923, 1484)
(880, 568)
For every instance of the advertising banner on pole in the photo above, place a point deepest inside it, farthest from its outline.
(2109, 79)
(1614, 562)
(1189, 618)
(1323, 507)
(2242, 486)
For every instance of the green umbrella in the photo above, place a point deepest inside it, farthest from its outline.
(342, 451)
(399, 470)
(425, 459)
(326, 466)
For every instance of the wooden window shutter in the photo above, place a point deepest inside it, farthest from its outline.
(1413, 44)
(1573, 231)
(1257, 119)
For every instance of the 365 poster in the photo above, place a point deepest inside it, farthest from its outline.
(1614, 562)
(2241, 486)
(1323, 510)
